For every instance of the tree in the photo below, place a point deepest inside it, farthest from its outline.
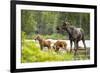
(45, 22)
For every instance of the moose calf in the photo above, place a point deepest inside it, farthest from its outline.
(60, 44)
(43, 42)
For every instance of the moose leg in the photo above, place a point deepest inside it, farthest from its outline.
(49, 47)
(65, 47)
(57, 49)
(70, 46)
(75, 49)
(41, 46)
(84, 46)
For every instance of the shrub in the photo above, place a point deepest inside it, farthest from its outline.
(31, 52)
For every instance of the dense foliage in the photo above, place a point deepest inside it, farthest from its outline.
(32, 53)
(45, 22)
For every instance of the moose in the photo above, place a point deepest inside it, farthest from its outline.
(60, 44)
(43, 42)
(75, 35)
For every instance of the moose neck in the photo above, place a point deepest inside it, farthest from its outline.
(70, 30)
(40, 40)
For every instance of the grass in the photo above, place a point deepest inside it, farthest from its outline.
(53, 36)
(32, 53)
(47, 36)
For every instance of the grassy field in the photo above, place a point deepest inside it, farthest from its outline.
(31, 52)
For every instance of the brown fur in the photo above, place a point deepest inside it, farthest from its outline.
(60, 44)
(43, 42)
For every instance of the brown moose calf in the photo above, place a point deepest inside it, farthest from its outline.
(60, 45)
(43, 42)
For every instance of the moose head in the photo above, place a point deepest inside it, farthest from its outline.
(63, 27)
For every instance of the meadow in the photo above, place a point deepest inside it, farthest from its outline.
(31, 52)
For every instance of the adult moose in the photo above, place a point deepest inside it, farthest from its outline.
(75, 35)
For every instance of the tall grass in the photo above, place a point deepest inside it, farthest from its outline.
(32, 53)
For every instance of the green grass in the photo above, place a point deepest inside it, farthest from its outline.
(32, 53)
(47, 36)
(53, 36)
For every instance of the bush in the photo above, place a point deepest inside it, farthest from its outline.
(32, 53)
(23, 37)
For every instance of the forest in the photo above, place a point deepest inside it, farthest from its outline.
(44, 23)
